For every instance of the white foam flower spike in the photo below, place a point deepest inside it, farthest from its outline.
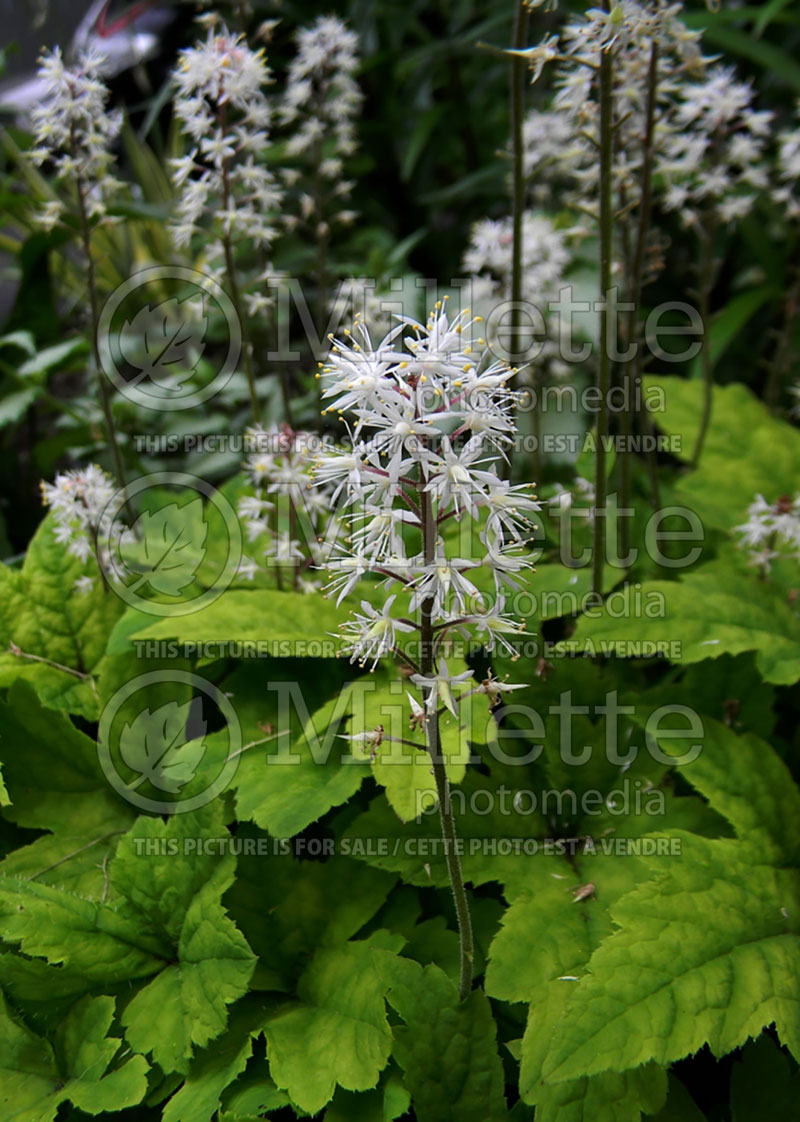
(429, 417)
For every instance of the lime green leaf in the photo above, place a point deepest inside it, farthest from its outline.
(29, 1072)
(161, 866)
(609, 1097)
(85, 1053)
(189, 1001)
(294, 781)
(338, 1034)
(173, 884)
(415, 849)
(52, 769)
(37, 1079)
(767, 449)
(56, 784)
(154, 744)
(405, 771)
(42, 614)
(706, 954)
(166, 920)
(447, 1048)
(283, 623)
(540, 952)
(216, 1068)
(434, 942)
(712, 611)
(96, 939)
(747, 782)
(288, 908)
(38, 990)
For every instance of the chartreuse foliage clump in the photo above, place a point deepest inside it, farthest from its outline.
(289, 949)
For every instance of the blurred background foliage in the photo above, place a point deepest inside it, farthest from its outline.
(432, 160)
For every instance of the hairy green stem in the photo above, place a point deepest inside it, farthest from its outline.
(606, 78)
(233, 284)
(428, 667)
(636, 286)
(518, 78)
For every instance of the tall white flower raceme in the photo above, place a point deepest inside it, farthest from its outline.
(629, 31)
(320, 105)
(322, 96)
(79, 501)
(430, 416)
(75, 133)
(221, 104)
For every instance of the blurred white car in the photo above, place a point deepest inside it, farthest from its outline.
(125, 33)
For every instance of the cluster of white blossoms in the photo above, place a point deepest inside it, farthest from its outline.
(322, 96)
(75, 133)
(629, 32)
(320, 104)
(79, 501)
(713, 160)
(430, 420)
(285, 510)
(772, 530)
(223, 110)
(546, 257)
(550, 146)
